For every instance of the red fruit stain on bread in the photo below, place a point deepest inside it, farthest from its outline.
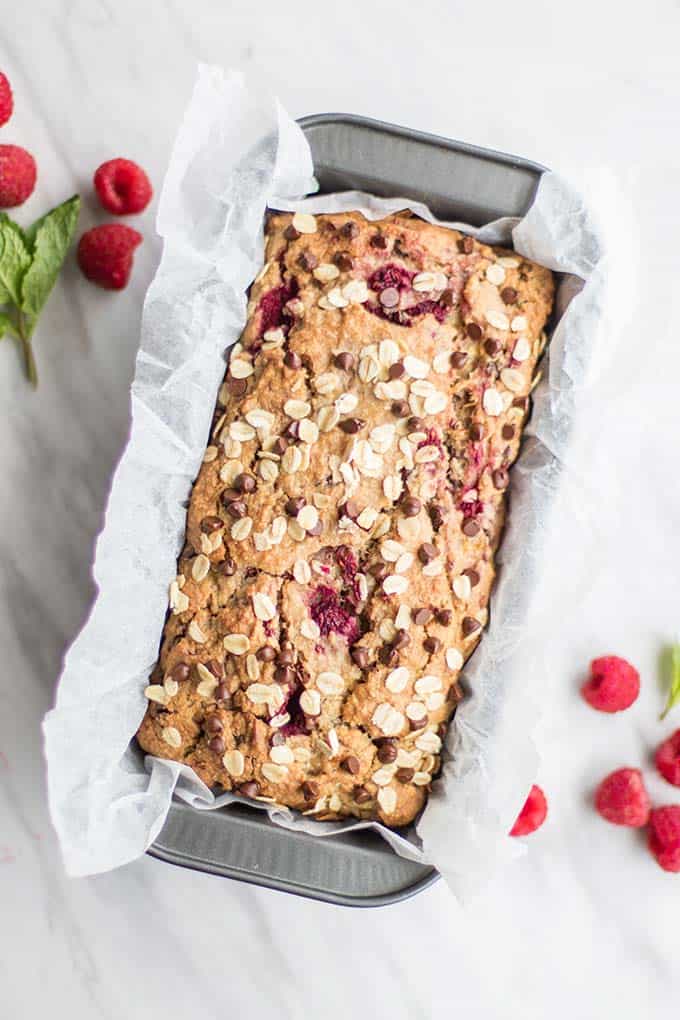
(18, 173)
(613, 684)
(105, 254)
(622, 799)
(532, 815)
(122, 187)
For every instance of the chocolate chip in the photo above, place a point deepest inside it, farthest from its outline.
(411, 507)
(508, 432)
(400, 408)
(344, 361)
(210, 524)
(349, 509)
(213, 724)
(470, 527)
(244, 483)
(405, 775)
(415, 424)
(216, 668)
(521, 402)
(472, 576)
(237, 508)
(250, 789)
(470, 625)
(455, 693)
(351, 764)
(378, 241)
(227, 567)
(180, 671)
(351, 425)
(359, 657)
(349, 229)
(292, 360)
(343, 261)
(388, 655)
(474, 331)
(400, 639)
(293, 430)
(290, 233)
(491, 347)
(294, 505)
(422, 616)
(427, 552)
(500, 478)
(389, 297)
(466, 245)
(217, 745)
(437, 517)
(387, 752)
(310, 790)
(222, 694)
(229, 495)
(286, 655)
(432, 645)
(284, 675)
(307, 260)
(396, 370)
(509, 295)
(443, 617)
(237, 387)
(379, 571)
(417, 724)
(476, 433)
(279, 446)
(458, 359)
(266, 653)
(361, 794)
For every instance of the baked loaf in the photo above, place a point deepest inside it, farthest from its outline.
(342, 529)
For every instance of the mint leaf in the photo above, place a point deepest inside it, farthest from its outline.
(49, 239)
(6, 324)
(674, 691)
(14, 260)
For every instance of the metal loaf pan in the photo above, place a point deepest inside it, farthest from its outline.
(458, 182)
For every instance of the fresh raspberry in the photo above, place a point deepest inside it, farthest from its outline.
(532, 815)
(6, 99)
(17, 175)
(613, 684)
(621, 798)
(664, 836)
(667, 758)
(122, 186)
(105, 254)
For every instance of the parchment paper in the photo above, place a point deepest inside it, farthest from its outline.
(237, 152)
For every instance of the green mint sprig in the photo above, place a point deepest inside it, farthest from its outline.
(674, 690)
(30, 261)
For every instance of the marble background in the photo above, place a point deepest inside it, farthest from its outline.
(585, 923)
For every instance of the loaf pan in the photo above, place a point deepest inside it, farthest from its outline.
(457, 182)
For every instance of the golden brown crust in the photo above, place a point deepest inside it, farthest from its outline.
(373, 406)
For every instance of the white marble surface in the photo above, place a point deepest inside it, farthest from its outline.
(585, 924)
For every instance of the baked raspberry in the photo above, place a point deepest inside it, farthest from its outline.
(621, 798)
(17, 175)
(6, 99)
(667, 758)
(333, 614)
(273, 309)
(122, 187)
(532, 815)
(613, 684)
(664, 836)
(105, 254)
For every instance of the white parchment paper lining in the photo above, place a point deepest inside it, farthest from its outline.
(236, 153)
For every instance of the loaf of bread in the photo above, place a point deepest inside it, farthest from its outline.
(341, 532)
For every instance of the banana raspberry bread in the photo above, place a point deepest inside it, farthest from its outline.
(341, 532)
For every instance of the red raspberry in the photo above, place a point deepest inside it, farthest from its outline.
(613, 684)
(621, 798)
(664, 836)
(667, 758)
(532, 815)
(122, 186)
(17, 175)
(6, 99)
(105, 254)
